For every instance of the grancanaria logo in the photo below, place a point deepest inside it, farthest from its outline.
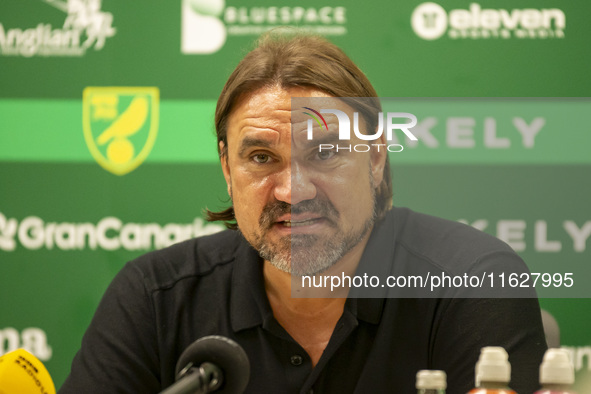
(120, 125)
(315, 118)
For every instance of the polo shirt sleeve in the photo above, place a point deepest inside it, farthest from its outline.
(119, 349)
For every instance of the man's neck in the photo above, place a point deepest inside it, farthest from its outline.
(295, 293)
(310, 317)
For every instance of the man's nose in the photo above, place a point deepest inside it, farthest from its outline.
(294, 184)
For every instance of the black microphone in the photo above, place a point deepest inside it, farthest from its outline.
(212, 363)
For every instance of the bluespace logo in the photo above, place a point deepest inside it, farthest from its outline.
(207, 24)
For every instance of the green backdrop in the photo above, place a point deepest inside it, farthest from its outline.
(68, 223)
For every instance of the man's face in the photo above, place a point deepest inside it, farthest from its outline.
(302, 209)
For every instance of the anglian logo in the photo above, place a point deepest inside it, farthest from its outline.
(431, 21)
(85, 26)
(120, 125)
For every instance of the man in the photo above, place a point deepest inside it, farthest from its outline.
(299, 211)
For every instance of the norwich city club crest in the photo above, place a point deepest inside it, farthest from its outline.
(120, 125)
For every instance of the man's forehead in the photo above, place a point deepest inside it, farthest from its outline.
(275, 114)
(276, 105)
(305, 106)
(262, 109)
(268, 128)
(276, 102)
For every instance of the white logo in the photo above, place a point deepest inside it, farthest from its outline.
(202, 31)
(32, 339)
(345, 129)
(109, 233)
(206, 24)
(430, 21)
(7, 233)
(85, 26)
(345, 124)
(580, 356)
(515, 232)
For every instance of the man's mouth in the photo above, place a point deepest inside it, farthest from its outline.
(304, 217)
(299, 223)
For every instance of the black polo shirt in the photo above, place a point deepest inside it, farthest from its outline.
(163, 301)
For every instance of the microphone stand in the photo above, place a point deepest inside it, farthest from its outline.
(202, 379)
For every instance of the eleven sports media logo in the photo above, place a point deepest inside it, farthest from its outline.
(120, 125)
(344, 125)
(431, 21)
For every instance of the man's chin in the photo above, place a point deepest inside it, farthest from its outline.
(300, 261)
(304, 254)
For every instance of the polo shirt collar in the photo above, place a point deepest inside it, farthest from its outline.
(377, 259)
(249, 303)
(367, 309)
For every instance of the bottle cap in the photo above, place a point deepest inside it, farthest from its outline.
(493, 365)
(431, 379)
(557, 367)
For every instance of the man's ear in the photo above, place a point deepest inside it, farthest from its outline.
(378, 157)
(225, 166)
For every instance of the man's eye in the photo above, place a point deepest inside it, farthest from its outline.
(261, 158)
(325, 154)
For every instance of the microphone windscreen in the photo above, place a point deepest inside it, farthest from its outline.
(23, 373)
(225, 354)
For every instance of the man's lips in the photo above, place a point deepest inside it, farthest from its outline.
(299, 220)
(299, 223)
(305, 217)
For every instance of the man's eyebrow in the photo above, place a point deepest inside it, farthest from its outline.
(331, 138)
(249, 142)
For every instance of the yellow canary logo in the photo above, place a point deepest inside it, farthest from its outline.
(120, 125)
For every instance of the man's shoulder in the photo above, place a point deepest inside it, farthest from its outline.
(445, 243)
(195, 257)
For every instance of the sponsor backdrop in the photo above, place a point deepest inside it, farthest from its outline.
(107, 148)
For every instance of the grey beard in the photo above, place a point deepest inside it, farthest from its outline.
(303, 254)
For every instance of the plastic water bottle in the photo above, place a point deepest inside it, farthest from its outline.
(493, 372)
(557, 373)
(431, 382)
